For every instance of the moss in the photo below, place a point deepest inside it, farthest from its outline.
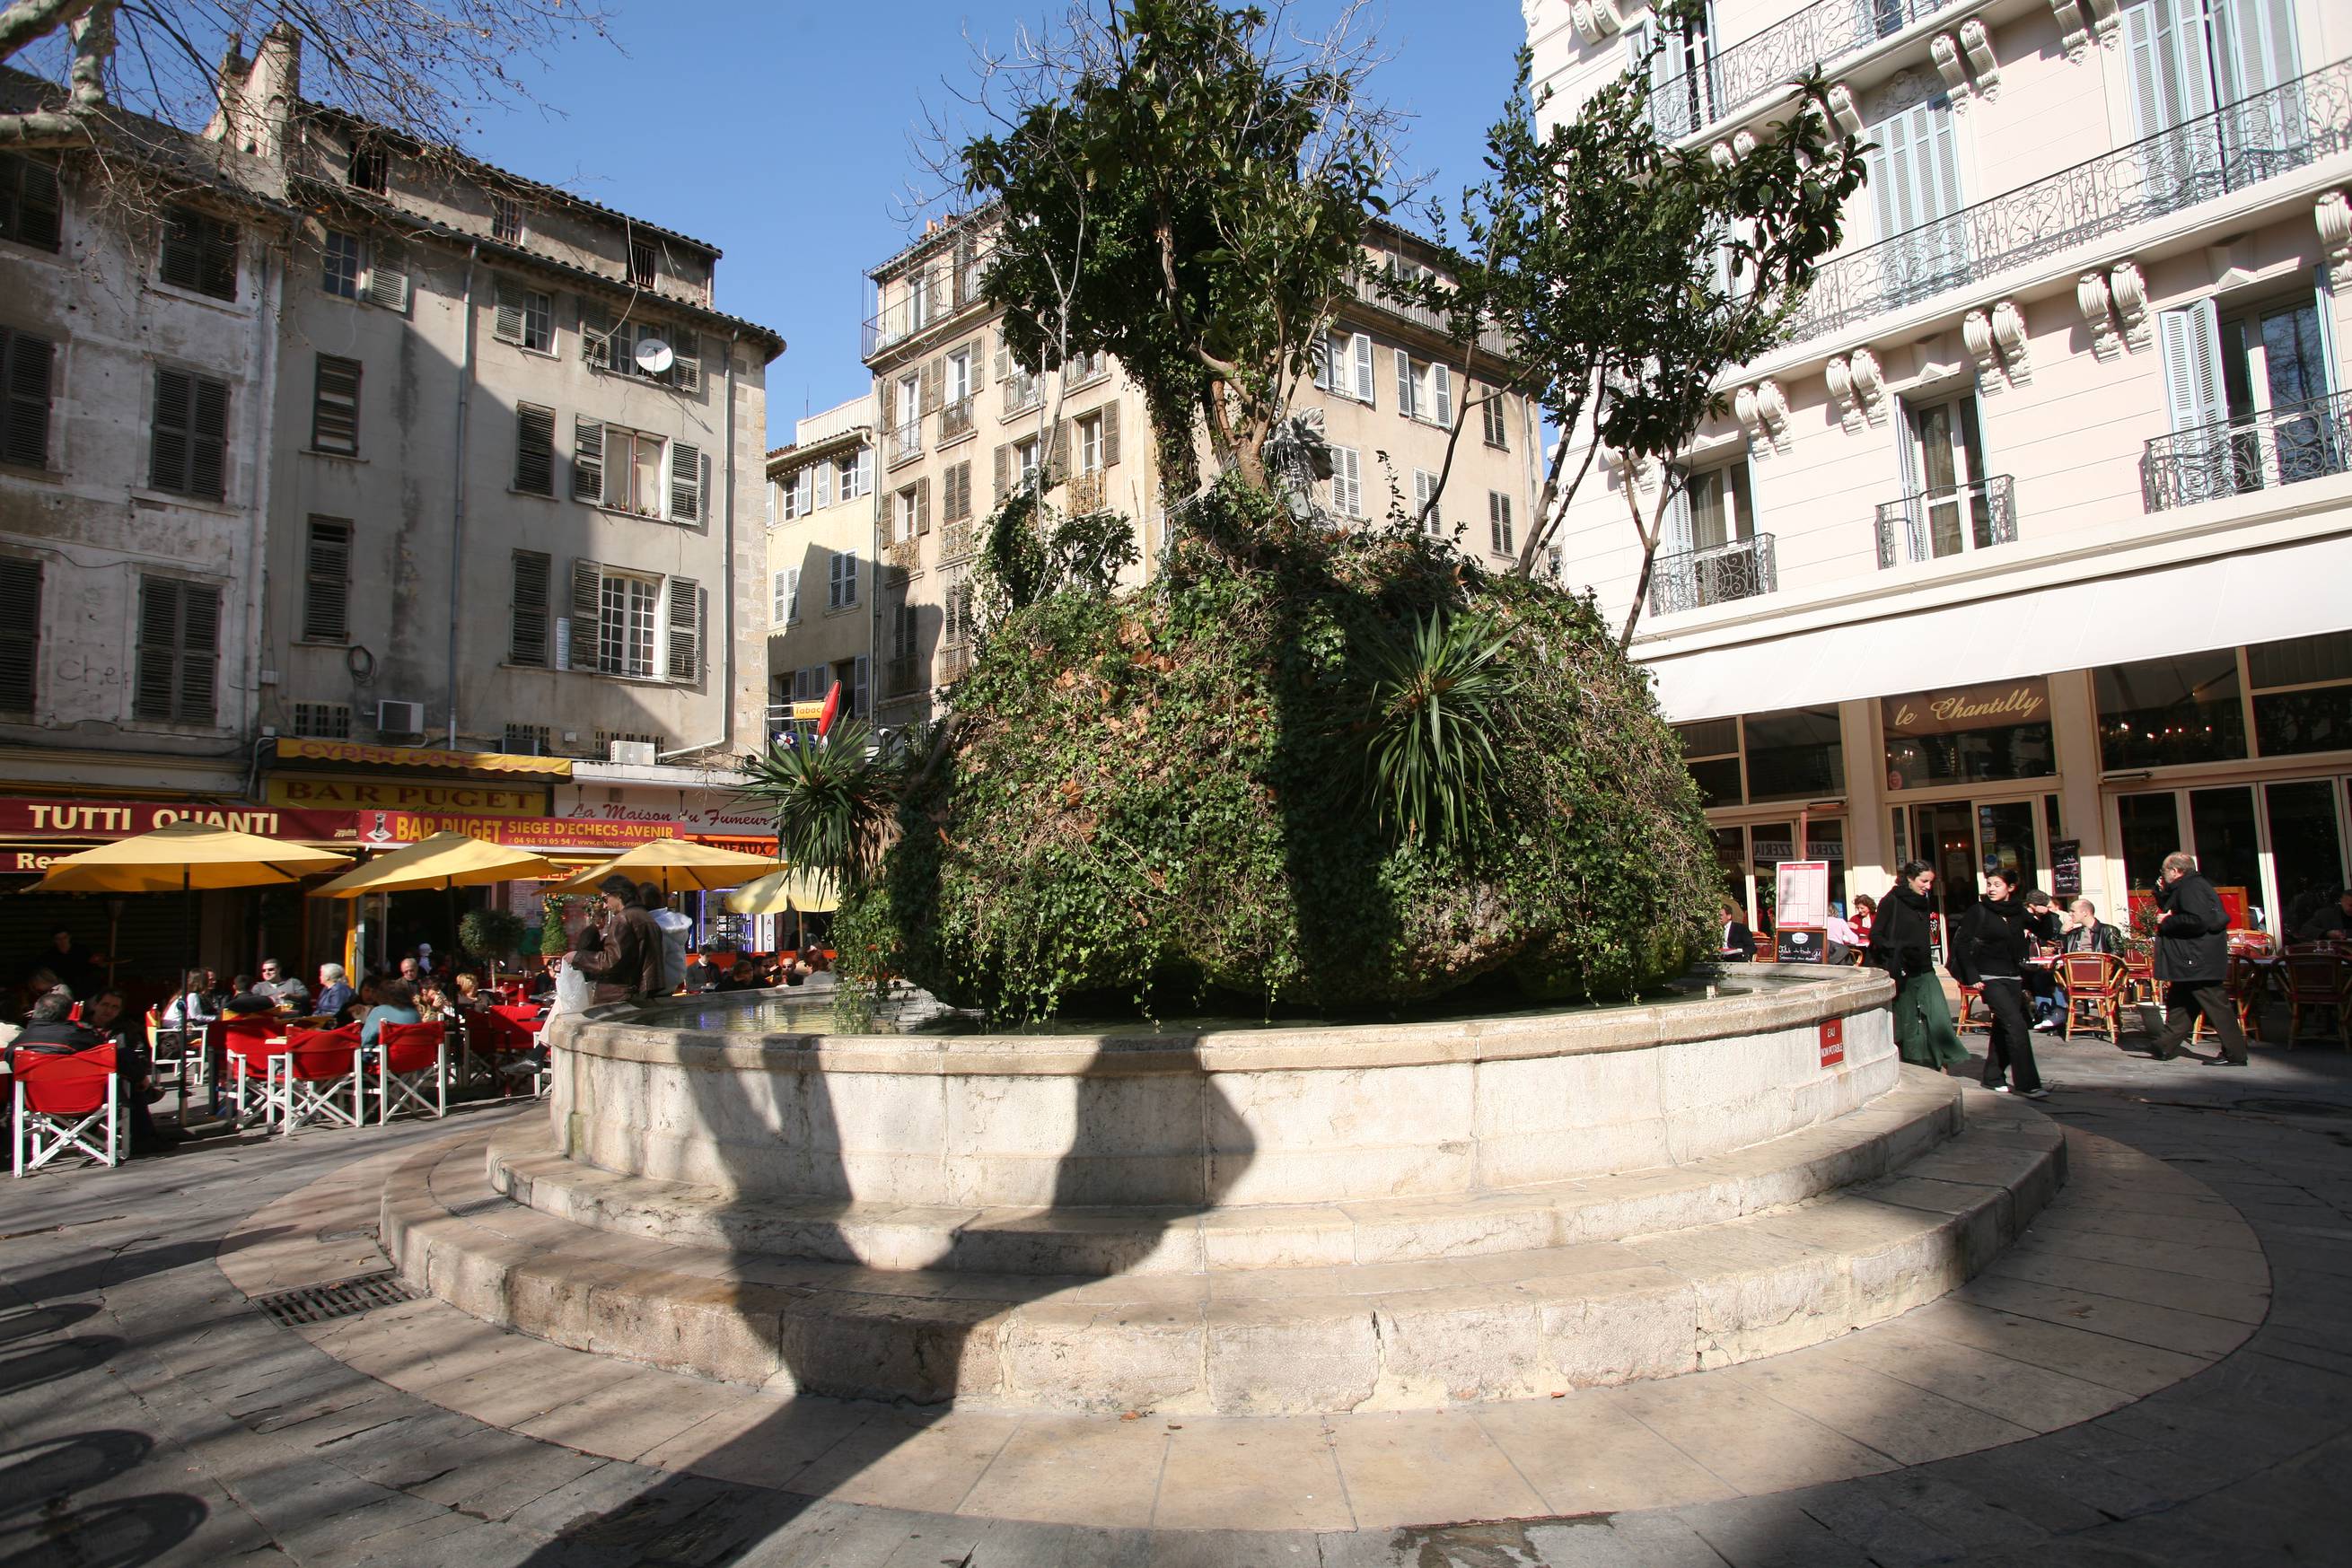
(1159, 795)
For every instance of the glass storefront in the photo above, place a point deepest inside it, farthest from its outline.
(1969, 735)
(2161, 712)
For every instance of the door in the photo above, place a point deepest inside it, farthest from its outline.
(2275, 380)
(1915, 180)
(1949, 513)
(2005, 838)
(1946, 839)
(2306, 846)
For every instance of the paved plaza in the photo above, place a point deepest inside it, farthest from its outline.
(2156, 1375)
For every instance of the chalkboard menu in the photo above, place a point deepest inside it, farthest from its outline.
(2067, 868)
(1799, 946)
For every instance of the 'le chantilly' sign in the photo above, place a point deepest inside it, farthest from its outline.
(1967, 708)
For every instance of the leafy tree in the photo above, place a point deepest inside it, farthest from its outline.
(1629, 276)
(1182, 186)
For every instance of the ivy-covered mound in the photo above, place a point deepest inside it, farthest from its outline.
(1161, 794)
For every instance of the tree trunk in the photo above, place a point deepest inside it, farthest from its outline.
(1649, 538)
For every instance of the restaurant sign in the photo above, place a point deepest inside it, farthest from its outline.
(1950, 712)
(709, 821)
(30, 818)
(389, 830)
(324, 792)
(292, 748)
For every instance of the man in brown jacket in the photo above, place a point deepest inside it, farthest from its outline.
(627, 963)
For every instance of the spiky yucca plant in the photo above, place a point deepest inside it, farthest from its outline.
(1436, 692)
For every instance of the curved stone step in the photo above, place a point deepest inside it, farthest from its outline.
(525, 1164)
(1245, 1341)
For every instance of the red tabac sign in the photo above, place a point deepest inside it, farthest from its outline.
(390, 830)
(1833, 1041)
(24, 817)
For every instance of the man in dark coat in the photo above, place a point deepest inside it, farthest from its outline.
(1989, 950)
(2193, 959)
(626, 964)
(1737, 941)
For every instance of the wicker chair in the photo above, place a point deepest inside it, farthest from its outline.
(2096, 983)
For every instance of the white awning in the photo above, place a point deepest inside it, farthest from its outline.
(2260, 596)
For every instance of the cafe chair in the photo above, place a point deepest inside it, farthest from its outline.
(2245, 984)
(2315, 983)
(2096, 985)
(412, 1060)
(66, 1105)
(2139, 972)
(247, 1045)
(312, 1077)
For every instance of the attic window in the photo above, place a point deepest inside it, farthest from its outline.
(506, 219)
(367, 169)
(641, 264)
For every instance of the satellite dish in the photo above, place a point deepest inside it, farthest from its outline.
(654, 356)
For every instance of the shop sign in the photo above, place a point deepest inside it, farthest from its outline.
(24, 818)
(327, 792)
(351, 754)
(1833, 1041)
(738, 822)
(1961, 708)
(389, 830)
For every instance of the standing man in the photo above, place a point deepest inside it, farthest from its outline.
(2193, 959)
(626, 965)
(1990, 951)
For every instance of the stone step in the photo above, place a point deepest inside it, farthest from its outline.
(1402, 1335)
(1863, 1145)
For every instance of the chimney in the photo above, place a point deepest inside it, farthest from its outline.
(257, 95)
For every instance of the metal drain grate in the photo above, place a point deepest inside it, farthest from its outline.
(343, 1299)
(2282, 1107)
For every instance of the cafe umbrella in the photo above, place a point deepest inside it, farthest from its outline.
(447, 861)
(674, 864)
(794, 890)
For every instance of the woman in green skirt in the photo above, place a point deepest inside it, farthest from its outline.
(1901, 943)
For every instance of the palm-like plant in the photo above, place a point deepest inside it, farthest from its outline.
(1436, 692)
(834, 801)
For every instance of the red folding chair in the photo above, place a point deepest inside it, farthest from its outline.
(247, 1045)
(310, 1077)
(410, 1058)
(63, 1102)
(515, 1030)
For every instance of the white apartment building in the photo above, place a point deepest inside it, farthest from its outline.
(2030, 545)
(821, 562)
(960, 424)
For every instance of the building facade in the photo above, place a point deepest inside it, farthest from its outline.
(821, 562)
(959, 425)
(2022, 549)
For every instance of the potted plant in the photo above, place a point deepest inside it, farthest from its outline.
(492, 934)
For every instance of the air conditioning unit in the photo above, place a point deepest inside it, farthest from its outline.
(637, 752)
(400, 719)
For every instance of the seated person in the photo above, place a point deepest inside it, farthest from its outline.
(49, 1030)
(2330, 922)
(1737, 941)
(335, 991)
(1841, 937)
(192, 1007)
(469, 991)
(2085, 933)
(396, 1002)
(287, 993)
(742, 978)
(702, 974)
(363, 1001)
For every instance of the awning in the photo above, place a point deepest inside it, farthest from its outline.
(2293, 590)
(349, 754)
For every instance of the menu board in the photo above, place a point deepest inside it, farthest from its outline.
(2067, 868)
(1802, 900)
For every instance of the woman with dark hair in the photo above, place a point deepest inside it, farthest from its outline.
(396, 1002)
(1903, 944)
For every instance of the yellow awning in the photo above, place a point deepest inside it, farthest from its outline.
(672, 864)
(292, 750)
(186, 855)
(444, 860)
(779, 891)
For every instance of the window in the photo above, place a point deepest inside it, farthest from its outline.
(1025, 454)
(1711, 752)
(179, 650)
(506, 219)
(2302, 694)
(342, 261)
(958, 376)
(20, 632)
(784, 597)
(1022, 389)
(24, 382)
(642, 264)
(527, 740)
(907, 435)
(620, 468)
(853, 472)
(1090, 443)
(30, 211)
(199, 253)
(2162, 711)
(955, 626)
(1794, 755)
(527, 609)
(1346, 482)
(1083, 368)
(1716, 507)
(798, 492)
(918, 301)
(1494, 415)
(841, 589)
(625, 625)
(188, 443)
(368, 168)
(905, 513)
(327, 582)
(1915, 183)
(323, 721)
(534, 470)
(1424, 392)
(335, 406)
(524, 316)
(1499, 537)
(1945, 449)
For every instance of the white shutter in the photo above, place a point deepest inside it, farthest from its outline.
(848, 560)
(825, 484)
(833, 585)
(684, 630)
(388, 276)
(2257, 46)
(866, 470)
(792, 595)
(685, 482)
(2166, 45)
(779, 597)
(1325, 349)
(1364, 379)
(1676, 537)
(686, 371)
(1440, 385)
(1407, 403)
(2190, 339)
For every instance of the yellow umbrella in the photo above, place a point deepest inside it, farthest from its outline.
(443, 861)
(810, 892)
(674, 864)
(185, 857)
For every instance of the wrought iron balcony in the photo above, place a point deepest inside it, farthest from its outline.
(2241, 145)
(906, 441)
(956, 541)
(1933, 524)
(1715, 575)
(2283, 445)
(955, 421)
(907, 311)
(1812, 39)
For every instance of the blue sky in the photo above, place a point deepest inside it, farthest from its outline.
(788, 144)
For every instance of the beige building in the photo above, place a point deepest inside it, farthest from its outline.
(960, 424)
(821, 562)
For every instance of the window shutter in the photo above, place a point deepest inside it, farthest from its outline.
(922, 505)
(684, 630)
(1406, 401)
(848, 560)
(208, 440)
(1680, 534)
(192, 700)
(335, 405)
(1441, 383)
(1365, 380)
(1002, 459)
(25, 426)
(860, 672)
(167, 454)
(534, 450)
(596, 338)
(864, 472)
(20, 632)
(1005, 368)
(2256, 49)
(1057, 456)
(685, 371)
(159, 638)
(620, 472)
(216, 259)
(388, 276)
(1110, 434)
(34, 218)
(528, 607)
(506, 317)
(822, 472)
(327, 582)
(833, 599)
(2190, 340)
(587, 459)
(587, 609)
(176, 259)
(934, 376)
(685, 482)
(1495, 522)
(1319, 358)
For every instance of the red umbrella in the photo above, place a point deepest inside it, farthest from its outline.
(832, 710)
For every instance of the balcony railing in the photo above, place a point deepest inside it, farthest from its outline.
(1715, 575)
(1933, 524)
(956, 541)
(1373, 291)
(900, 676)
(2283, 445)
(906, 441)
(906, 311)
(1812, 39)
(955, 421)
(2242, 144)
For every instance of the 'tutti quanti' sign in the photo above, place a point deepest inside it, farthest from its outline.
(1993, 707)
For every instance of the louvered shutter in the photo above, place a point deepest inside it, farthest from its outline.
(848, 560)
(208, 440)
(2256, 47)
(327, 582)
(20, 632)
(1058, 455)
(167, 445)
(684, 630)
(1321, 357)
(199, 653)
(620, 472)
(388, 276)
(587, 612)
(858, 685)
(934, 375)
(587, 459)
(1365, 381)
(686, 371)
(2190, 340)
(534, 450)
(1408, 405)
(864, 472)
(527, 609)
(1002, 461)
(335, 405)
(25, 426)
(34, 214)
(821, 477)
(596, 338)
(922, 507)
(176, 260)
(159, 642)
(685, 482)
(506, 312)
(219, 264)
(1110, 434)
(1441, 384)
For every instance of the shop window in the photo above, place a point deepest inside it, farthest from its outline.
(1794, 755)
(2302, 694)
(1969, 735)
(2161, 712)
(2151, 831)
(1711, 752)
